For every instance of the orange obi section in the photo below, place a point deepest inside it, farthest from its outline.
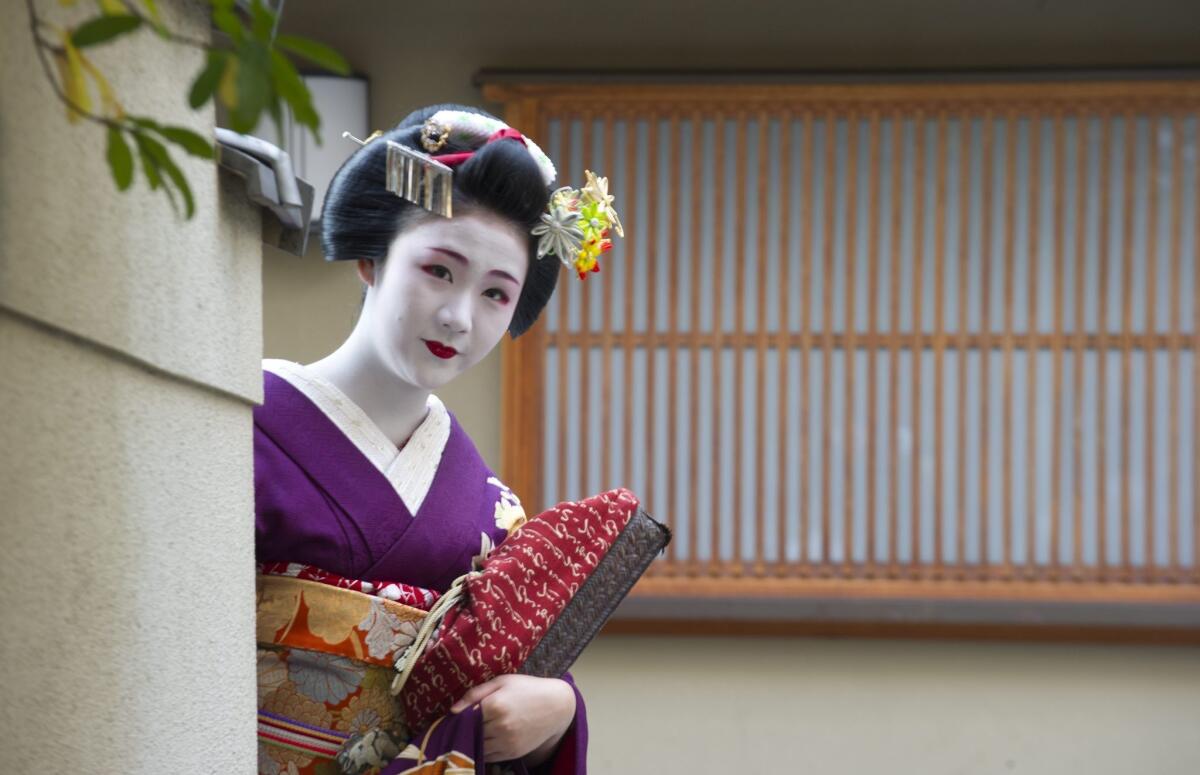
(325, 669)
(309, 615)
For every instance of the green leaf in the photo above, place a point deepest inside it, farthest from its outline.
(227, 20)
(149, 165)
(168, 164)
(263, 20)
(103, 29)
(154, 161)
(120, 160)
(107, 97)
(291, 87)
(79, 99)
(227, 87)
(193, 143)
(315, 52)
(276, 111)
(253, 86)
(152, 11)
(206, 83)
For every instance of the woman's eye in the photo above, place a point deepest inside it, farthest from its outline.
(495, 294)
(438, 271)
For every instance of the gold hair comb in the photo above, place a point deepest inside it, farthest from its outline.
(419, 178)
(416, 177)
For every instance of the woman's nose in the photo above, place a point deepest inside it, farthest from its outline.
(455, 315)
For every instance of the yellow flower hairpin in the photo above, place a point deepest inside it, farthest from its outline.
(576, 225)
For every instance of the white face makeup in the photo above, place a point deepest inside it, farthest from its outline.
(445, 296)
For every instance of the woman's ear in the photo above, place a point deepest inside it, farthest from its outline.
(366, 271)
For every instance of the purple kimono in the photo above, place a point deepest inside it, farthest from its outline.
(331, 490)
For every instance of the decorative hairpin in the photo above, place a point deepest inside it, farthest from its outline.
(577, 222)
(576, 225)
(415, 176)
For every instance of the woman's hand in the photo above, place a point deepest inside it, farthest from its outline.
(523, 716)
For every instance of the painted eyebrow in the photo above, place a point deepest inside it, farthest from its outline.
(464, 260)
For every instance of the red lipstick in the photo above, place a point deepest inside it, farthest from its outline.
(442, 351)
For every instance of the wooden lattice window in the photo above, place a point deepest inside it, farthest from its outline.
(930, 341)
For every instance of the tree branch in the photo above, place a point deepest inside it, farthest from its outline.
(42, 46)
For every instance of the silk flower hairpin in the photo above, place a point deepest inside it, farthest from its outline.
(577, 222)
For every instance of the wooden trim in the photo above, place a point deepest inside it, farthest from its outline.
(784, 354)
(939, 346)
(1176, 250)
(920, 138)
(630, 255)
(992, 340)
(872, 330)
(985, 296)
(1059, 262)
(583, 432)
(642, 97)
(806, 260)
(670, 511)
(522, 388)
(1048, 633)
(606, 347)
(717, 325)
(850, 326)
(1195, 575)
(966, 162)
(739, 327)
(652, 259)
(915, 587)
(1152, 252)
(693, 348)
(1031, 357)
(897, 183)
(760, 352)
(1010, 238)
(1102, 357)
(829, 186)
(1007, 108)
(1128, 184)
(1082, 155)
(564, 352)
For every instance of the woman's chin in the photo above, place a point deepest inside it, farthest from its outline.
(431, 378)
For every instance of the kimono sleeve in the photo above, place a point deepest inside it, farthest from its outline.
(571, 756)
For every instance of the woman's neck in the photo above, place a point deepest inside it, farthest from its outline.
(395, 406)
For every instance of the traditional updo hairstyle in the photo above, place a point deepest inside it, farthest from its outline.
(361, 218)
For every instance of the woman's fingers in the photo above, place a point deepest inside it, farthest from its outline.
(476, 695)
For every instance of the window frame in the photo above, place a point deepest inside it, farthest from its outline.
(934, 601)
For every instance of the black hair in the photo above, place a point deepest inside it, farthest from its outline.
(361, 218)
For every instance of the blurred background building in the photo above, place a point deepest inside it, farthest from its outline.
(1000, 545)
(901, 343)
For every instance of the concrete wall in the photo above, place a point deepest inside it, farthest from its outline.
(728, 705)
(710, 705)
(129, 364)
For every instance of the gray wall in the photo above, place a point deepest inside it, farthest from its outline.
(129, 364)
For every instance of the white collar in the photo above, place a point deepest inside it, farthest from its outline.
(410, 470)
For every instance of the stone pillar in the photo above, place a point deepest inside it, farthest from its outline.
(130, 342)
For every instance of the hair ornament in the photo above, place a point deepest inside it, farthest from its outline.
(426, 179)
(576, 225)
(577, 222)
(377, 133)
(474, 130)
(434, 136)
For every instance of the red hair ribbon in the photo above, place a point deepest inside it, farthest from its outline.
(455, 159)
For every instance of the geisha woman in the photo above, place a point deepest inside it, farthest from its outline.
(361, 472)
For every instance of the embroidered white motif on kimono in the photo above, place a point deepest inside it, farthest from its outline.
(509, 513)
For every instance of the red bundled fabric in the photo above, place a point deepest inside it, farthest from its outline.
(496, 617)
